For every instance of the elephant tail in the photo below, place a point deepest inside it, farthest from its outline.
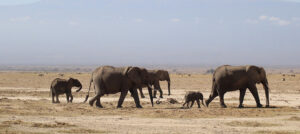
(87, 96)
(51, 91)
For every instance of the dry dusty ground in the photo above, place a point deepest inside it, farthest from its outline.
(25, 107)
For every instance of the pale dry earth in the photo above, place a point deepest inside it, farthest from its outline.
(25, 107)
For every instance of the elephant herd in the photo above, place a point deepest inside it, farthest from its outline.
(111, 80)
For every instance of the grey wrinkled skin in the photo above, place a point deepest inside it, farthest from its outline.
(62, 86)
(111, 80)
(155, 76)
(230, 78)
(192, 96)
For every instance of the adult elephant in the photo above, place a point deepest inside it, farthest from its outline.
(155, 76)
(111, 80)
(230, 78)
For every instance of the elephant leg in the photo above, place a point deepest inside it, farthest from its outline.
(67, 97)
(53, 97)
(157, 87)
(71, 98)
(141, 92)
(91, 102)
(211, 97)
(154, 94)
(198, 102)
(99, 92)
(188, 104)
(136, 98)
(122, 97)
(222, 103)
(161, 93)
(57, 100)
(183, 104)
(192, 103)
(242, 95)
(98, 103)
(254, 92)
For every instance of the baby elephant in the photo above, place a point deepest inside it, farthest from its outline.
(192, 96)
(61, 86)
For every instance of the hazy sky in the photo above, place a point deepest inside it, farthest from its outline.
(263, 32)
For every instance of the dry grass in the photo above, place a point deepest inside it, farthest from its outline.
(277, 132)
(24, 86)
(164, 110)
(81, 131)
(51, 125)
(294, 118)
(250, 124)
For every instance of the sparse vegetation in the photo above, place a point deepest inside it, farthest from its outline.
(81, 131)
(31, 100)
(210, 71)
(276, 132)
(294, 118)
(250, 124)
(52, 125)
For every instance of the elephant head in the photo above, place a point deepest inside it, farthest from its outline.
(75, 83)
(140, 77)
(258, 75)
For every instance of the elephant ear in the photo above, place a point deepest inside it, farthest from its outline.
(254, 73)
(126, 70)
(134, 74)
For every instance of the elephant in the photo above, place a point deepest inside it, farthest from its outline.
(61, 86)
(111, 80)
(192, 96)
(155, 77)
(230, 78)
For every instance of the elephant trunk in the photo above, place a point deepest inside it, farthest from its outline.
(169, 84)
(150, 94)
(79, 89)
(266, 87)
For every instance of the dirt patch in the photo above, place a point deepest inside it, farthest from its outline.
(51, 125)
(13, 122)
(22, 132)
(164, 110)
(81, 131)
(25, 107)
(277, 132)
(294, 118)
(250, 124)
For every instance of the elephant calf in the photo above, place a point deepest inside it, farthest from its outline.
(192, 96)
(61, 86)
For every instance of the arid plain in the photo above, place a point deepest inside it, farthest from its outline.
(25, 107)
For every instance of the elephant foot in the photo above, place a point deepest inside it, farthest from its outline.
(119, 107)
(91, 103)
(206, 103)
(154, 96)
(139, 106)
(161, 97)
(58, 102)
(99, 106)
(169, 94)
(267, 106)
(241, 106)
(223, 106)
(259, 105)
(143, 96)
